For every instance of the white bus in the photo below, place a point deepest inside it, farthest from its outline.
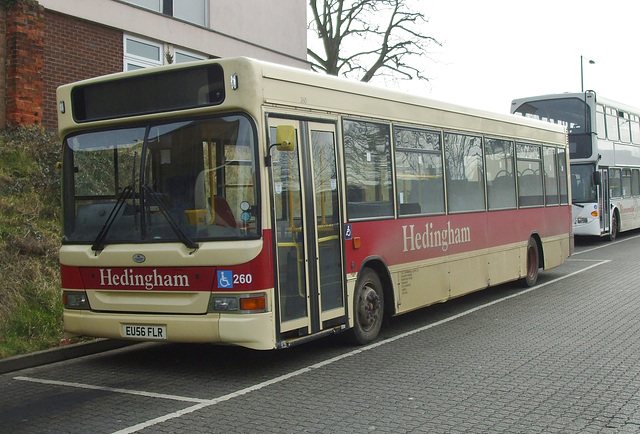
(239, 202)
(604, 147)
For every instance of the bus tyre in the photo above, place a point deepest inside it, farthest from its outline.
(533, 263)
(613, 231)
(368, 308)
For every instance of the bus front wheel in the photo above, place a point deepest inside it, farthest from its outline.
(533, 263)
(368, 308)
(613, 231)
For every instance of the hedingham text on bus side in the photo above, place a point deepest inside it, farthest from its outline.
(430, 238)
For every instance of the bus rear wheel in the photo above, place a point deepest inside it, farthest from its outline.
(368, 308)
(533, 263)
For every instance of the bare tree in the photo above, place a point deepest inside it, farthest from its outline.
(367, 38)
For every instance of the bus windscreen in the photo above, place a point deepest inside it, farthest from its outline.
(187, 180)
(572, 113)
(569, 112)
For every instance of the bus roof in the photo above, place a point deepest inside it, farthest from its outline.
(346, 86)
(331, 93)
(580, 95)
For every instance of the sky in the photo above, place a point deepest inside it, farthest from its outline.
(497, 50)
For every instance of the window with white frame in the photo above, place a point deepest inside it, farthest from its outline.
(154, 5)
(181, 56)
(141, 53)
(193, 11)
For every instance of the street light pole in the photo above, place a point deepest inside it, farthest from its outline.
(591, 62)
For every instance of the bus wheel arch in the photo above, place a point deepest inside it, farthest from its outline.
(381, 269)
(534, 260)
(372, 300)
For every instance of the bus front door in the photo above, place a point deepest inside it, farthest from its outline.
(307, 231)
(604, 202)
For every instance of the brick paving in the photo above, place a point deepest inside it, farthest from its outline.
(563, 358)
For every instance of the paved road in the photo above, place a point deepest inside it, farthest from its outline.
(561, 357)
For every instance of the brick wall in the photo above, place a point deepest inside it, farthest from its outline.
(74, 50)
(24, 50)
(41, 50)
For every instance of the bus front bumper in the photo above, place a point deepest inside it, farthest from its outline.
(256, 331)
(590, 228)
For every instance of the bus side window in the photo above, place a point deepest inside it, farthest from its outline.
(419, 174)
(635, 129)
(612, 124)
(600, 122)
(367, 146)
(562, 176)
(615, 183)
(465, 172)
(501, 181)
(529, 166)
(635, 182)
(626, 182)
(624, 127)
(550, 176)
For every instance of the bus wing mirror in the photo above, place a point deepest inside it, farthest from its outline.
(285, 141)
(285, 138)
(596, 178)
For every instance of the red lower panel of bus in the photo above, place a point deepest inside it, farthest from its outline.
(414, 239)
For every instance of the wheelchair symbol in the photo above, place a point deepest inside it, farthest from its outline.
(225, 279)
(347, 232)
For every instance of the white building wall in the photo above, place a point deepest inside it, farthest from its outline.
(279, 24)
(271, 30)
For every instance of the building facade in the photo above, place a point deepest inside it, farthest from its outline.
(47, 43)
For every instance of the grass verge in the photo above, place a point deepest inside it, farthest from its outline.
(30, 306)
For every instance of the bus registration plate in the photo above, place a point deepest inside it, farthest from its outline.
(144, 332)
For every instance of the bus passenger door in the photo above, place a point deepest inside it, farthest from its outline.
(324, 205)
(307, 230)
(604, 202)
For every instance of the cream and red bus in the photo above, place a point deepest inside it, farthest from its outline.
(240, 202)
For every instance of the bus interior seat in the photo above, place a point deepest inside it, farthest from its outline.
(179, 192)
(224, 214)
(410, 208)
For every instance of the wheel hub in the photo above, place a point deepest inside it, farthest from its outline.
(369, 308)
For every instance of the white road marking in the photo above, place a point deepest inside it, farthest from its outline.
(606, 244)
(204, 403)
(110, 389)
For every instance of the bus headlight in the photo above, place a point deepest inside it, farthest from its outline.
(581, 220)
(247, 303)
(75, 300)
(223, 304)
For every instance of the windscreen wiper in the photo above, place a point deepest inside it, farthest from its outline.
(98, 243)
(184, 238)
(574, 202)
